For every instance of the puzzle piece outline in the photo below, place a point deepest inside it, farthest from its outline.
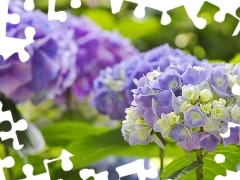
(60, 15)
(7, 162)
(192, 8)
(135, 167)
(20, 125)
(66, 165)
(9, 45)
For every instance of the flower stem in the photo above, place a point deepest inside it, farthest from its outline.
(199, 170)
(162, 152)
(161, 162)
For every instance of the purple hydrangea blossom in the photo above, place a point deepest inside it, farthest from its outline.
(193, 113)
(51, 67)
(97, 49)
(120, 80)
(220, 82)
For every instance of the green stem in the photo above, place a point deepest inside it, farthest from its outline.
(162, 152)
(161, 162)
(9, 170)
(199, 170)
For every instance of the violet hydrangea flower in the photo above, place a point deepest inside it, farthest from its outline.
(97, 49)
(192, 111)
(114, 85)
(51, 67)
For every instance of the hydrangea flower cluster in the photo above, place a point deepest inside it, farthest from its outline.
(112, 88)
(97, 49)
(190, 104)
(51, 68)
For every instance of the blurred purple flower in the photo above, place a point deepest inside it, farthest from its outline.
(51, 67)
(119, 81)
(97, 49)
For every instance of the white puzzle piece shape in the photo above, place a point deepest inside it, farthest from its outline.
(20, 125)
(8, 45)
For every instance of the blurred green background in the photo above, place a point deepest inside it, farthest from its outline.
(90, 136)
(215, 41)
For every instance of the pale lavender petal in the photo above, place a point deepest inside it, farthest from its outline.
(234, 137)
(190, 143)
(194, 117)
(208, 142)
(179, 133)
(150, 117)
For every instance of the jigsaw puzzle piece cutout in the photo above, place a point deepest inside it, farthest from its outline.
(28, 172)
(66, 164)
(137, 167)
(161, 5)
(13, 18)
(20, 125)
(29, 5)
(75, 4)
(227, 7)
(53, 15)
(7, 162)
(116, 6)
(192, 8)
(8, 45)
(230, 175)
(236, 89)
(87, 173)
(237, 30)
(4, 17)
(227, 133)
(60, 15)
(227, 28)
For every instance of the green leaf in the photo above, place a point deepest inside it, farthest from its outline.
(103, 18)
(89, 148)
(175, 166)
(137, 29)
(210, 168)
(64, 133)
(211, 61)
(236, 59)
(182, 172)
